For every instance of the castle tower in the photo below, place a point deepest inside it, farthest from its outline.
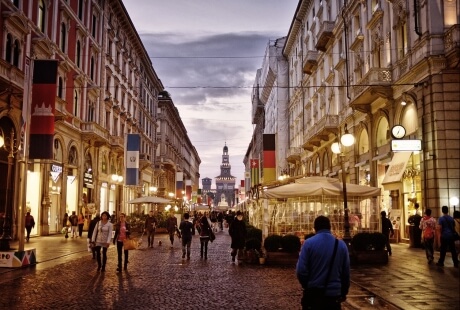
(225, 182)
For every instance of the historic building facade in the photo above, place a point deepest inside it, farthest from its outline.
(106, 88)
(386, 72)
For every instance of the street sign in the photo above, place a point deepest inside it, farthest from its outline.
(406, 145)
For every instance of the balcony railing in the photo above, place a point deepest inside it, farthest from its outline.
(310, 62)
(376, 83)
(320, 131)
(325, 34)
(94, 131)
(293, 154)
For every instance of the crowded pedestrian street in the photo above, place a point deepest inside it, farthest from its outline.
(66, 277)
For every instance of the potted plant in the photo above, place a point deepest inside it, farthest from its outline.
(262, 255)
(369, 248)
(282, 250)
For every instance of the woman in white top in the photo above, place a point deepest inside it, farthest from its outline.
(102, 235)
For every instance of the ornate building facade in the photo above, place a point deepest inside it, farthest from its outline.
(106, 89)
(225, 196)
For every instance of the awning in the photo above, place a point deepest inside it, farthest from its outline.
(381, 156)
(364, 162)
(397, 167)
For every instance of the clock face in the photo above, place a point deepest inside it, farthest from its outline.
(398, 132)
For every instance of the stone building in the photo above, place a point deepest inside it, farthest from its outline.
(369, 67)
(106, 88)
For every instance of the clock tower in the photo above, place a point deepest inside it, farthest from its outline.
(225, 182)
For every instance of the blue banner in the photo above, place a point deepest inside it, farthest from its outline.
(133, 143)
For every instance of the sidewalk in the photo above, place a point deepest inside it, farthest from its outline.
(407, 282)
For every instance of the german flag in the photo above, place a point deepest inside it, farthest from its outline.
(269, 158)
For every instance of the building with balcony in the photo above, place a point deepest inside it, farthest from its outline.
(106, 88)
(368, 66)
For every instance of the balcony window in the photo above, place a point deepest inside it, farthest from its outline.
(62, 42)
(41, 22)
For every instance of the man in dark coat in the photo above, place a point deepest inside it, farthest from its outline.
(387, 230)
(237, 231)
(92, 224)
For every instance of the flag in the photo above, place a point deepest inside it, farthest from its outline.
(269, 158)
(188, 189)
(254, 172)
(179, 184)
(247, 184)
(42, 117)
(133, 142)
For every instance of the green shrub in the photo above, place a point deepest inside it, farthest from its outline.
(253, 244)
(253, 233)
(368, 241)
(273, 243)
(290, 243)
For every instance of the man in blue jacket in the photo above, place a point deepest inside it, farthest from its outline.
(325, 284)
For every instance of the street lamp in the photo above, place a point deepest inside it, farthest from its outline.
(153, 189)
(8, 143)
(346, 140)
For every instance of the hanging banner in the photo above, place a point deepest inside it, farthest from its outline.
(133, 142)
(254, 172)
(269, 157)
(42, 109)
(179, 184)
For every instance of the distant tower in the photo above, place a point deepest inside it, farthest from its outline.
(225, 182)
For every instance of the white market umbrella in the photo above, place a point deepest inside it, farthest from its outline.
(149, 199)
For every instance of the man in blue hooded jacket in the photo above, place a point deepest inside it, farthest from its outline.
(313, 269)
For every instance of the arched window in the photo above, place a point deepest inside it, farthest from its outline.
(8, 48)
(363, 143)
(63, 37)
(80, 9)
(78, 54)
(383, 132)
(41, 15)
(410, 119)
(73, 156)
(326, 164)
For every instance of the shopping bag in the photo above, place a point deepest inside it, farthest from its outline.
(130, 244)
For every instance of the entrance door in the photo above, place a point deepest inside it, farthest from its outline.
(53, 215)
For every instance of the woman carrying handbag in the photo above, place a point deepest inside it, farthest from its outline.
(101, 236)
(122, 232)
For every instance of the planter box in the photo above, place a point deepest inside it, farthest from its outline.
(370, 257)
(282, 258)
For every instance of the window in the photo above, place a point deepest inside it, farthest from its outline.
(91, 110)
(75, 104)
(107, 120)
(402, 40)
(16, 53)
(80, 9)
(41, 15)
(78, 55)
(63, 37)
(8, 49)
(91, 69)
(60, 88)
(93, 30)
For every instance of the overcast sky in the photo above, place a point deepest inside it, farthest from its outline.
(206, 53)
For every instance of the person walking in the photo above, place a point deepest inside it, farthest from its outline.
(323, 269)
(29, 223)
(237, 231)
(171, 227)
(387, 230)
(149, 228)
(186, 230)
(446, 228)
(81, 222)
(102, 234)
(428, 227)
(93, 224)
(205, 232)
(74, 222)
(122, 232)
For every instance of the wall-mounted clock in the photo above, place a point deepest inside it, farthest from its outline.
(398, 132)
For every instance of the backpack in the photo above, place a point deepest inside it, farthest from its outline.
(428, 233)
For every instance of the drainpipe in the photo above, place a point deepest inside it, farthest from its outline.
(345, 30)
(416, 17)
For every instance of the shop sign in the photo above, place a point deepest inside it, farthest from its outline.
(88, 178)
(406, 145)
(56, 171)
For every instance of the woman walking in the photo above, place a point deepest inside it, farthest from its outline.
(81, 222)
(122, 232)
(101, 236)
(204, 236)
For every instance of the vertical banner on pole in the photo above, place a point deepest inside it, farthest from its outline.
(42, 109)
(254, 172)
(179, 184)
(269, 157)
(133, 142)
(188, 189)
(247, 184)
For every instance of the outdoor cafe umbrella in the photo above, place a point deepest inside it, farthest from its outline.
(149, 199)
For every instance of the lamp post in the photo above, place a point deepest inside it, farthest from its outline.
(346, 140)
(8, 144)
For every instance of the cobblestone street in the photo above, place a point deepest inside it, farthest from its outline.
(158, 278)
